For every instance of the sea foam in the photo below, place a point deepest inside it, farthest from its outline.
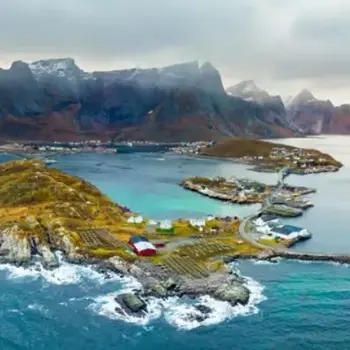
(65, 274)
(178, 312)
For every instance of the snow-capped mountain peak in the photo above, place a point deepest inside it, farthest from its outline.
(303, 97)
(248, 90)
(249, 86)
(59, 68)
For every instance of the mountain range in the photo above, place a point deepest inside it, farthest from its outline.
(56, 100)
(304, 111)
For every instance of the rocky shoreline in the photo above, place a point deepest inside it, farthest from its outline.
(156, 282)
(224, 285)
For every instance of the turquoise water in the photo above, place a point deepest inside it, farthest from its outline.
(297, 305)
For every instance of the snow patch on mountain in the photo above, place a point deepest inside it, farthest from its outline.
(248, 91)
(59, 68)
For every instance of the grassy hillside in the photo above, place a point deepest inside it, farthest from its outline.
(65, 212)
(242, 147)
(45, 203)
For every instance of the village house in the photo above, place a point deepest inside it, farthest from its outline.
(197, 222)
(165, 225)
(135, 219)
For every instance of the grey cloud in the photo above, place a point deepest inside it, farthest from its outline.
(266, 40)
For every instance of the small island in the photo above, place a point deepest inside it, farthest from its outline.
(281, 199)
(269, 157)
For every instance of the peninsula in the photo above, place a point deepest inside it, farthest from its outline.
(271, 157)
(44, 210)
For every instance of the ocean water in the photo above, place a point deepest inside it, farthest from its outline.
(294, 306)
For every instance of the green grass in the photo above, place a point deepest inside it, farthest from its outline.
(166, 231)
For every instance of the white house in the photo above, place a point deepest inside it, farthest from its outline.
(131, 220)
(166, 225)
(197, 222)
(138, 219)
(135, 219)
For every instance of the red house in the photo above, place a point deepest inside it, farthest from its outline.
(142, 246)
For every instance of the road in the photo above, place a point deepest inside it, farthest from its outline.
(249, 236)
(284, 251)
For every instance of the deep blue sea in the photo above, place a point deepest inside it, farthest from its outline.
(295, 305)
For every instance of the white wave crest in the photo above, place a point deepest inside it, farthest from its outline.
(179, 313)
(39, 308)
(65, 274)
(266, 262)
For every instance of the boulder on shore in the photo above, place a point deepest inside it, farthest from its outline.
(48, 259)
(200, 314)
(233, 293)
(14, 249)
(132, 304)
(155, 289)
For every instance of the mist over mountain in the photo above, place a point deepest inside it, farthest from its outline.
(56, 100)
(303, 111)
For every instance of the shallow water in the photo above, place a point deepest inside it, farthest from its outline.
(296, 305)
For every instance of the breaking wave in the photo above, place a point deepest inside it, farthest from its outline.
(179, 312)
(65, 274)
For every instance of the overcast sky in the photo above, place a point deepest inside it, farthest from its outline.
(284, 45)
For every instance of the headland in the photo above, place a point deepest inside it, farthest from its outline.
(44, 210)
(266, 156)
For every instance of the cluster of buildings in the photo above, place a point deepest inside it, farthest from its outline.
(153, 226)
(232, 190)
(143, 247)
(269, 228)
(298, 160)
(191, 148)
(297, 157)
(149, 243)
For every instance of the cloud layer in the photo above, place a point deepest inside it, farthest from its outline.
(284, 45)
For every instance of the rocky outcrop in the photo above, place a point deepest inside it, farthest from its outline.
(49, 259)
(199, 314)
(14, 249)
(132, 304)
(234, 293)
(70, 250)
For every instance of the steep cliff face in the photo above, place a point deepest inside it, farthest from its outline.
(56, 100)
(272, 106)
(315, 116)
